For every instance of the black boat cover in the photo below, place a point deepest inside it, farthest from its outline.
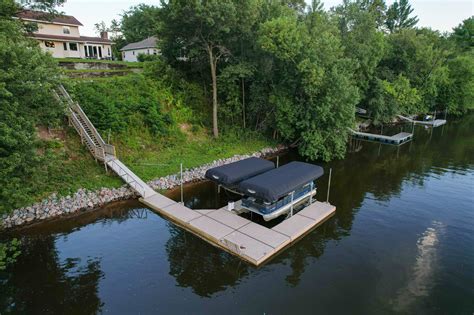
(233, 173)
(281, 181)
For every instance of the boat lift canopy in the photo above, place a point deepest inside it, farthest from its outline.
(230, 175)
(274, 184)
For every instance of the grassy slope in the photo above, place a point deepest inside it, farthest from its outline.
(72, 167)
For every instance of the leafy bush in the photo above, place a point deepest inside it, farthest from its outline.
(110, 104)
(146, 57)
(9, 252)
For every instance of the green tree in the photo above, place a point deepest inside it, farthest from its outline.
(457, 95)
(463, 35)
(314, 93)
(204, 29)
(140, 22)
(362, 40)
(27, 76)
(399, 16)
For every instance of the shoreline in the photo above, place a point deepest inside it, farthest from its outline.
(83, 200)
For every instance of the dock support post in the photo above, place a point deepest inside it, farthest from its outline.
(446, 113)
(329, 184)
(413, 129)
(292, 197)
(278, 160)
(181, 181)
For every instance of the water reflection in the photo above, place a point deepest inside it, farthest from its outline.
(421, 279)
(200, 266)
(50, 285)
(52, 276)
(377, 172)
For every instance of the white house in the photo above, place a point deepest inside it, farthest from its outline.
(59, 35)
(147, 46)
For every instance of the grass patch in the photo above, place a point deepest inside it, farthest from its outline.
(69, 165)
(151, 158)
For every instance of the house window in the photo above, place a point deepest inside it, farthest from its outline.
(85, 51)
(148, 51)
(66, 30)
(108, 51)
(100, 52)
(65, 46)
(73, 46)
(49, 44)
(133, 52)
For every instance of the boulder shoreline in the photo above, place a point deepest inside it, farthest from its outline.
(85, 200)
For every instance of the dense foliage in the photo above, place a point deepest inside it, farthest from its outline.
(297, 72)
(27, 77)
(118, 103)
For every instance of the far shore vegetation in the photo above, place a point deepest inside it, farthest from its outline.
(250, 74)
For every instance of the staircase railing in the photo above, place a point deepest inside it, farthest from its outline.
(97, 151)
(96, 145)
(98, 148)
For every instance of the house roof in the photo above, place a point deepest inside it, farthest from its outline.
(81, 39)
(46, 17)
(149, 42)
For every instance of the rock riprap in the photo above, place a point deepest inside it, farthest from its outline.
(84, 200)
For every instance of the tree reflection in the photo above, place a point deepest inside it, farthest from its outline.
(40, 283)
(200, 266)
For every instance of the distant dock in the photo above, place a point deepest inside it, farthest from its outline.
(398, 139)
(431, 123)
(239, 236)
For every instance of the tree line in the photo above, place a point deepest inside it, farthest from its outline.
(298, 72)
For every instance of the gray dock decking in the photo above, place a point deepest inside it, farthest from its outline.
(239, 236)
(397, 139)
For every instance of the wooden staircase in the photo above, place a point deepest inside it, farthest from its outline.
(100, 150)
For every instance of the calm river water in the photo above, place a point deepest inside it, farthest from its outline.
(402, 241)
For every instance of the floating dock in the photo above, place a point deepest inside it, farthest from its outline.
(431, 123)
(398, 139)
(249, 241)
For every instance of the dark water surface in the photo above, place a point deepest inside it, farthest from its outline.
(402, 241)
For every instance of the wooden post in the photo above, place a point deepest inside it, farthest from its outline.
(292, 197)
(329, 184)
(181, 171)
(446, 113)
(278, 160)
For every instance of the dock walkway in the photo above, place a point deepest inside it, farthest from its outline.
(239, 236)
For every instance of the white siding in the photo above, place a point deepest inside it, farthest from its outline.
(131, 55)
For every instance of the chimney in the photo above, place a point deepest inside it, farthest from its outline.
(104, 35)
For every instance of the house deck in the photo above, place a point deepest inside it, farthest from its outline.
(239, 236)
